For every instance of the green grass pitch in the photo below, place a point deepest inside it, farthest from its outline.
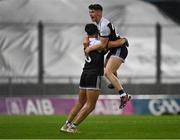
(94, 127)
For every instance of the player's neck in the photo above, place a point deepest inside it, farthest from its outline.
(92, 36)
(99, 19)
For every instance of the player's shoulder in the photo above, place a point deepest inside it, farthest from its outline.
(94, 41)
(104, 22)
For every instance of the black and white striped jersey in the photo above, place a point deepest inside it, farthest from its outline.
(107, 29)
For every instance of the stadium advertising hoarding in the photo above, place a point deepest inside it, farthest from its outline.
(106, 105)
(56, 105)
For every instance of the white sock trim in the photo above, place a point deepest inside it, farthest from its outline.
(67, 122)
(73, 126)
(124, 94)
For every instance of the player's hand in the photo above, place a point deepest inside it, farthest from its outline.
(85, 42)
(126, 42)
(87, 50)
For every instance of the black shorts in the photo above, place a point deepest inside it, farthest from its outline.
(120, 52)
(90, 80)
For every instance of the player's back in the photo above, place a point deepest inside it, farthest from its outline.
(94, 62)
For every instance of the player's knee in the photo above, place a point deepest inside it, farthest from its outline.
(80, 104)
(91, 107)
(107, 72)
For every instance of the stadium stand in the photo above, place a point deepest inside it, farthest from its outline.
(63, 35)
(56, 27)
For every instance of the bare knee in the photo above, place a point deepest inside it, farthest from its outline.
(80, 104)
(107, 73)
(91, 107)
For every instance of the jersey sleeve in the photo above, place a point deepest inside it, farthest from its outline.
(95, 42)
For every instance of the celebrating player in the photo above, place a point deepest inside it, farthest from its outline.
(90, 83)
(117, 49)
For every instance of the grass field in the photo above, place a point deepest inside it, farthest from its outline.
(94, 127)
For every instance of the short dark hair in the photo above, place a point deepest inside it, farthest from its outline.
(91, 29)
(95, 7)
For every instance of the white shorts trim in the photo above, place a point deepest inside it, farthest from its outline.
(89, 88)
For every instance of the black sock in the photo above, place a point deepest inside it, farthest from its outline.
(74, 125)
(121, 92)
(68, 121)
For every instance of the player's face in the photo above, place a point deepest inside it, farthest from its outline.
(95, 15)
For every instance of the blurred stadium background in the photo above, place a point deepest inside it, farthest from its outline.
(41, 56)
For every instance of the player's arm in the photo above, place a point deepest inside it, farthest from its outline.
(85, 42)
(117, 43)
(100, 46)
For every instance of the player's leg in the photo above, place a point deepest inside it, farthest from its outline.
(112, 66)
(93, 84)
(81, 101)
(74, 111)
(92, 97)
(116, 59)
(110, 85)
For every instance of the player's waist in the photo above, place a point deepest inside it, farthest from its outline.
(118, 47)
(93, 71)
